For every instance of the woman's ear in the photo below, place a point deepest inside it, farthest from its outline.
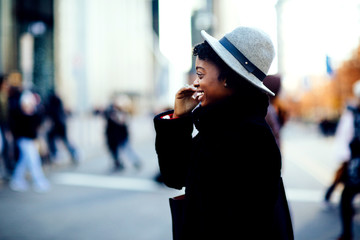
(224, 82)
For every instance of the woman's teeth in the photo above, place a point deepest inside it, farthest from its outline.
(197, 95)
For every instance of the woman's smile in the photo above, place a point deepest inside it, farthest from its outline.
(209, 88)
(198, 95)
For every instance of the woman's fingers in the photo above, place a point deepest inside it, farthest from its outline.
(184, 102)
(186, 91)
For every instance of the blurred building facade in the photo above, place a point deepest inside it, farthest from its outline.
(26, 42)
(314, 39)
(88, 50)
(103, 47)
(314, 36)
(84, 50)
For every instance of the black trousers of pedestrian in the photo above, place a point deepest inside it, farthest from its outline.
(340, 177)
(347, 210)
(114, 151)
(59, 131)
(329, 191)
(9, 152)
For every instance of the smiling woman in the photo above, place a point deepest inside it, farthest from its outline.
(234, 145)
(208, 63)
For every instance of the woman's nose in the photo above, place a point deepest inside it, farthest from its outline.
(196, 82)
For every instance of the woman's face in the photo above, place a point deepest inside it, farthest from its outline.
(210, 89)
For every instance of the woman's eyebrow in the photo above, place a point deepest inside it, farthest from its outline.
(199, 67)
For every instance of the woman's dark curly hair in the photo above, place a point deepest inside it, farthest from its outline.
(205, 52)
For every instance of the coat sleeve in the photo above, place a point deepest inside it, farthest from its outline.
(173, 147)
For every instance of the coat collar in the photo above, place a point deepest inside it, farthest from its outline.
(229, 111)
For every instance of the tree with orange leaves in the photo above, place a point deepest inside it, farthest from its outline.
(346, 75)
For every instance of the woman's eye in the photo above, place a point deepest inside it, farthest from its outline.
(200, 75)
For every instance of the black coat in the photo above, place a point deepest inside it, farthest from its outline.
(230, 169)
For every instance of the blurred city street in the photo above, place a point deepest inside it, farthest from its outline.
(89, 202)
(89, 71)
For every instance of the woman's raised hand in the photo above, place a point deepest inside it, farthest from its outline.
(184, 101)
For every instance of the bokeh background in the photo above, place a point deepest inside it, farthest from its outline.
(88, 51)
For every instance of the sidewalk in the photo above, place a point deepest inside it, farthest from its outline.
(89, 203)
(88, 134)
(308, 168)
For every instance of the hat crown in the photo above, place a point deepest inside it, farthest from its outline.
(248, 51)
(255, 45)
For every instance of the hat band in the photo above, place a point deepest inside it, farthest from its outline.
(249, 66)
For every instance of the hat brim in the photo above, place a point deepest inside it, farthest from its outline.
(232, 62)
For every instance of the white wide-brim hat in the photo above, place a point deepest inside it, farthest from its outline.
(248, 51)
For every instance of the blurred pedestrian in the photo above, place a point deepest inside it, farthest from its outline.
(351, 189)
(27, 119)
(58, 130)
(273, 82)
(15, 90)
(234, 149)
(117, 133)
(348, 127)
(347, 143)
(4, 127)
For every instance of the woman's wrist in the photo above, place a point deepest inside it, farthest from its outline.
(179, 115)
